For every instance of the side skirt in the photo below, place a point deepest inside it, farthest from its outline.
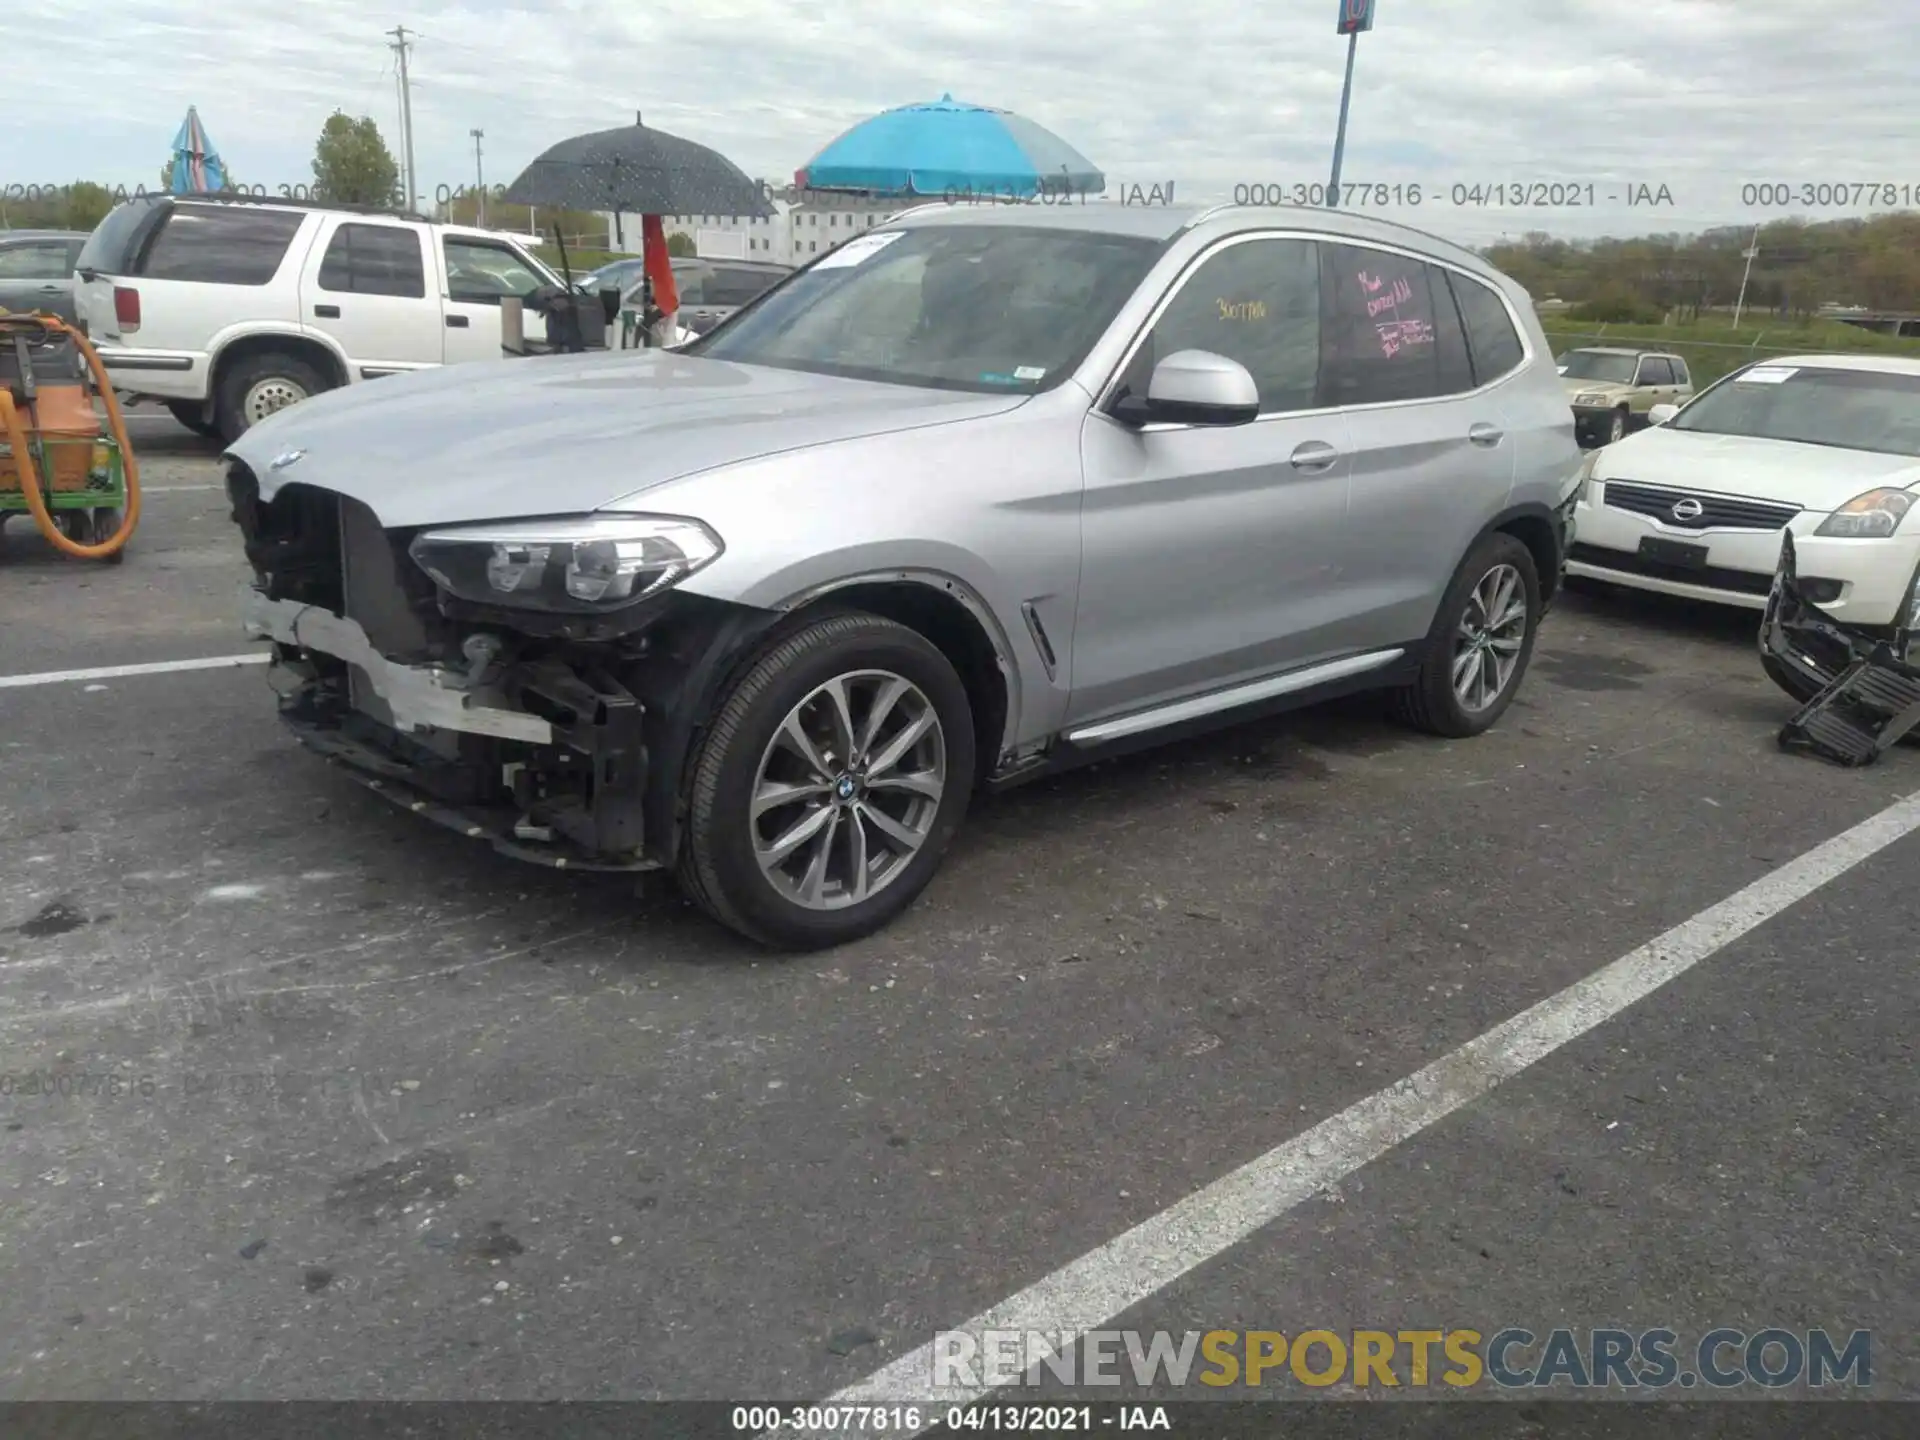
(1063, 753)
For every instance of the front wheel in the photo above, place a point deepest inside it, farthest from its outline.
(825, 792)
(1480, 644)
(1617, 427)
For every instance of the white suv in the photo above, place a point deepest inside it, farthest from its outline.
(227, 309)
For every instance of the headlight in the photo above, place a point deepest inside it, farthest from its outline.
(581, 565)
(1590, 397)
(1586, 476)
(1874, 515)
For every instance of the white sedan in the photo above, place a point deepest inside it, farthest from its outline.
(1824, 446)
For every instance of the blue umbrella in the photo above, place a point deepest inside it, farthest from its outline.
(197, 167)
(949, 146)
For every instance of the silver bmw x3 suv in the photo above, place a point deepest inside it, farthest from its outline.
(985, 493)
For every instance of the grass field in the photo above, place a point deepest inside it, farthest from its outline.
(1711, 347)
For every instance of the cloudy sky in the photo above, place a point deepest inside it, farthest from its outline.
(1698, 96)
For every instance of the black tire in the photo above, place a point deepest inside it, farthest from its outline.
(106, 523)
(1429, 703)
(254, 370)
(717, 868)
(192, 415)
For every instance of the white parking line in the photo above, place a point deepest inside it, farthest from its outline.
(1132, 1267)
(176, 489)
(116, 672)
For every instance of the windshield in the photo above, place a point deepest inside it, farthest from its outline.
(1597, 365)
(980, 308)
(1846, 409)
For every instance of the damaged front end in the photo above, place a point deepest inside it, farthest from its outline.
(558, 736)
(1860, 693)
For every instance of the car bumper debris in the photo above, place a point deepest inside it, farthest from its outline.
(1866, 694)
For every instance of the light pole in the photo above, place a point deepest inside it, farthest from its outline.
(479, 178)
(1752, 250)
(1355, 16)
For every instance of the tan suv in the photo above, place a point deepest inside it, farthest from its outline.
(1611, 390)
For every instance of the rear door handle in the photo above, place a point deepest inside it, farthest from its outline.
(327, 312)
(1485, 434)
(457, 322)
(1313, 456)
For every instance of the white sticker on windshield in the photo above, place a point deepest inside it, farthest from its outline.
(1768, 374)
(856, 250)
(1029, 372)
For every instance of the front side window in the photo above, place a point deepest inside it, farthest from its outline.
(374, 260)
(482, 274)
(978, 307)
(221, 245)
(1384, 337)
(1254, 301)
(1655, 371)
(1844, 409)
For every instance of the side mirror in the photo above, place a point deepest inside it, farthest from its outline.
(1660, 414)
(1194, 387)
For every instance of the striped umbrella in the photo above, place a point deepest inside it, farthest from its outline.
(196, 164)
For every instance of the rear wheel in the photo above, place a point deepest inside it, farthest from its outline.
(824, 794)
(262, 385)
(1480, 644)
(193, 415)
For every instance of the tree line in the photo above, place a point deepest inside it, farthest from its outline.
(1799, 267)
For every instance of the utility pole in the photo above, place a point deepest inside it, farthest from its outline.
(479, 177)
(1750, 252)
(1355, 16)
(400, 47)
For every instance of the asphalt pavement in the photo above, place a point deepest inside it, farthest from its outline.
(350, 1107)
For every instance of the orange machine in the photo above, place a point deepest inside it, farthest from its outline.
(58, 463)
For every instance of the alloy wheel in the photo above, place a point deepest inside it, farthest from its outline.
(848, 789)
(1489, 639)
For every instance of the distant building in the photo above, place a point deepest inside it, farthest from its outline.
(797, 232)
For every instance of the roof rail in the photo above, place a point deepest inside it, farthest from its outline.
(236, 197)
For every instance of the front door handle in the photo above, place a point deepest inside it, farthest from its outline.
(1313, 456)
(51, 289)
(327, 312)
(457, 322)
(1485, 434)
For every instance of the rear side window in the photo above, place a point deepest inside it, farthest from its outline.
(1491, 339)
(221, 246)
(1382, 336)
(374, 260)
(1680, 375)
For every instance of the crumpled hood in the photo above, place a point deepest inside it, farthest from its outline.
(559, 435)
(1814, 477)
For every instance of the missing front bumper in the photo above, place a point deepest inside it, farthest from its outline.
(1861, 695)
(547, 759)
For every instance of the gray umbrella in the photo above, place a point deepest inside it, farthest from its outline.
(639, 171)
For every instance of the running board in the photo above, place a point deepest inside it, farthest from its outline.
(1212, 703)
